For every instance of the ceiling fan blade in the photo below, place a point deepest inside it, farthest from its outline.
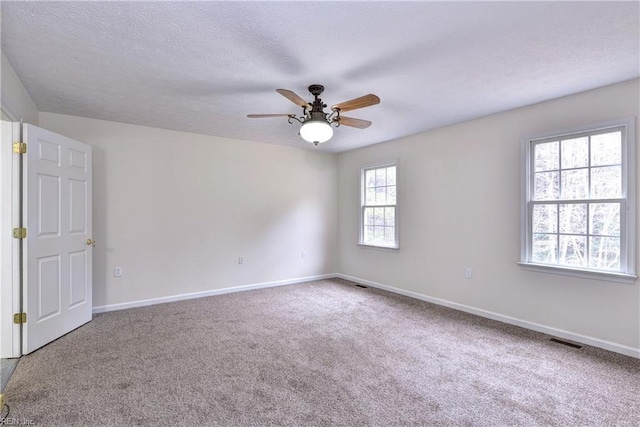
(354, 104)
(263, 116)
(293, 97)
(356, 123)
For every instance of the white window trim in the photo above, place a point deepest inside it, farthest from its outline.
(361, 242)
(628, 226)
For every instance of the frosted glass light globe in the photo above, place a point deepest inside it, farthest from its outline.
(316, 131)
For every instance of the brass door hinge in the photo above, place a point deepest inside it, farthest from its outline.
(19, 233)
(20, 318)
(20, 147)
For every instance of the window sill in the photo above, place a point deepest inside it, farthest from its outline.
(382, 248)
(607, 276)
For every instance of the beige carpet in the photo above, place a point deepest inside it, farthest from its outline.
(319, 353)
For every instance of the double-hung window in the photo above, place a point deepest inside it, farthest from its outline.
(378, 213)
(579, 202)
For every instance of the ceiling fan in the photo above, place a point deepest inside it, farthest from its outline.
(316, 124)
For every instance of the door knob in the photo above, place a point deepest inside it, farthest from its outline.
(91, 242)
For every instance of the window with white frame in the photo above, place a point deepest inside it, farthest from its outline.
(580, 212)
(379, 215)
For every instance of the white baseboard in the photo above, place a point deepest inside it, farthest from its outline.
(595, 342)
(192, 295)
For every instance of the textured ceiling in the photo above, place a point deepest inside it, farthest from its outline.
(203, 66)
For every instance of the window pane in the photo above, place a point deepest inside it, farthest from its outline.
(577, 200)
(573, 218)
(545, 219)
(381, 177)
(606, 149)
(575, 153)
(390, 217)
(389, 236)
(546, 156)
(378, 235)
(368, 216)
(575, 184)
(391, 175)
(378, 217)
(573, 251)
(546, 186)
(370, 178)
(368, 234)
(391, 195)
(381, 195)
(370, 196)
(604, 253)
(379, 221)
(604, 219)
(606, 182)
(545, 248)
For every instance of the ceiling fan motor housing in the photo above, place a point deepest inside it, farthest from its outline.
(316, 115)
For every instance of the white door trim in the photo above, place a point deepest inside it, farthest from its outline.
(9, 247)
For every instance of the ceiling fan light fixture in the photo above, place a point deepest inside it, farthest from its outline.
(316, 131)
(316, 124)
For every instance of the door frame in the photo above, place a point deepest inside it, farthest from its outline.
(10, 343)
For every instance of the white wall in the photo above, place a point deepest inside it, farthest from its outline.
(459, 206)
(16, 102)
(175, 210)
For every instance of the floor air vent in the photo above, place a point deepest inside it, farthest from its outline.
(569, 344)
(361, 286)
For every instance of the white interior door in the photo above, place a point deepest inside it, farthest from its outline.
(58, 248)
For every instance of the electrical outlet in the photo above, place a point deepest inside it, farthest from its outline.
(117, 272)
(468, 273)
(240, 260)
(304, 254)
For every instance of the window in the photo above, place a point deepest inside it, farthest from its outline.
(579, 205)
(378, 218)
